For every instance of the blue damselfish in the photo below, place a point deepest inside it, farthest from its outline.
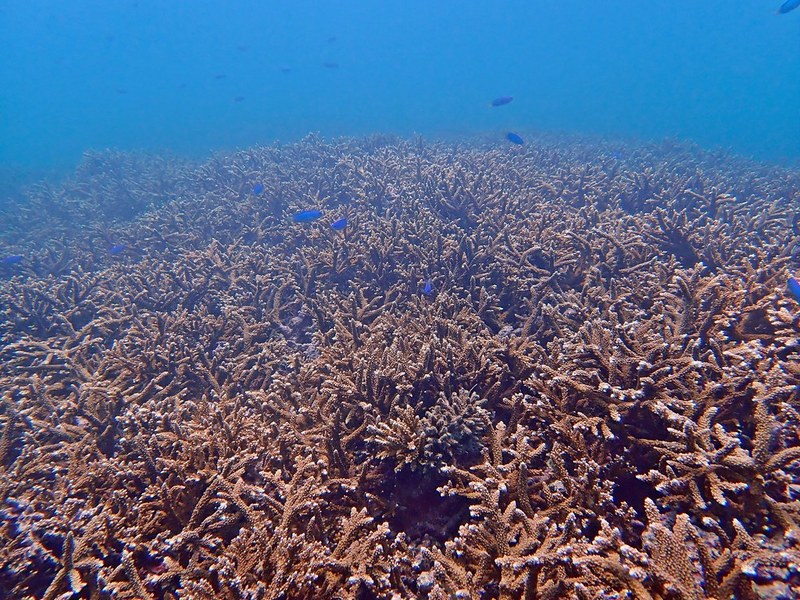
(794, 288)
(307, 215)
(502, 100)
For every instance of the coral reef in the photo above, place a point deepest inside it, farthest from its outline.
(599, 397)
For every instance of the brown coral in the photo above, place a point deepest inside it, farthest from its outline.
(598, 398)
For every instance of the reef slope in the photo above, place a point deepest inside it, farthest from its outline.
(597, 394)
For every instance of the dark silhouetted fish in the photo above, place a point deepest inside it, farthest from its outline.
(239, 99)
(514, 138)
(787, 6)
(220, 76)
(307, 215)
(428, 289)
(794, 288)
(339, 224)
(12, 260)
(330, 65)
(502, 100)
(285, 69)
(332, 39)
(117, 249)
(258, 189)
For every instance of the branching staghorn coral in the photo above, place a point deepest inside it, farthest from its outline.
(595, 397)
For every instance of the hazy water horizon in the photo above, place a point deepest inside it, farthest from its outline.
(192, 78)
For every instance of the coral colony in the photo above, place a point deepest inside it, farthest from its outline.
(538, 371)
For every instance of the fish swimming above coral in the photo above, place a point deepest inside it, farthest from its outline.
(428, 289)
(117, 249)
(258, 189)
(14, 259)
(339, 224)
(306, 216)
(788, 6)
(515, 138)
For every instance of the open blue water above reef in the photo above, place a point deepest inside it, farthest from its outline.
(196, 76)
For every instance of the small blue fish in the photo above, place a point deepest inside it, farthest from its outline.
(502, 100)
(258, 189)
(428, 289)
(307, 216)
(788, 6)
(514, 138)
(339, 224)
(12, 260)
(794, 286)
(117, 249)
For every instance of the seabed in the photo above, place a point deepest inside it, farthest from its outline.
(567, 369)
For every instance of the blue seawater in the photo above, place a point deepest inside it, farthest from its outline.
(194, 77)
